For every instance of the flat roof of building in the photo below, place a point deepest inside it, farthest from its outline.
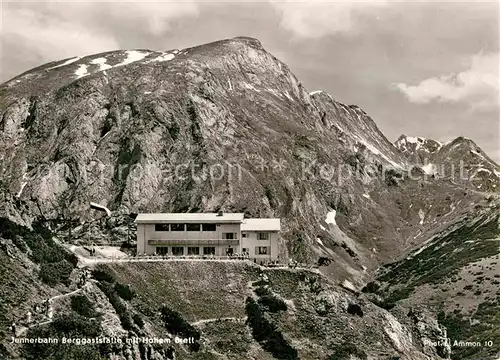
(261, 225)
(159, 218)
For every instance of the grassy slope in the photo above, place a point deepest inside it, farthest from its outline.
(458, 275)
(442, 258)
(201, 291)
(197, 290)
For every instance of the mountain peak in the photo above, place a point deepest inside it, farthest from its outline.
(411, 144)
(249, 41)
(462, 140)
(85, 65)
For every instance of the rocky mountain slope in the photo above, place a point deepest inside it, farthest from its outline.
(227, 126)
(456, 274)
(459, 160)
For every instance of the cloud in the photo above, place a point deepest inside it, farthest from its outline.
(155, 17)
(318, 18)
(50, 39)
(478, 86)
(37, 32)
(315, 19)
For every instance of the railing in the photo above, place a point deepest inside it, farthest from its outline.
(194, 242)
(191, 257)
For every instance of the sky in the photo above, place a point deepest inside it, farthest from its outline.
(420, 68)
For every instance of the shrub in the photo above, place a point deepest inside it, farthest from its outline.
(175, 324)
(385, 304)
(348, 250)
(71, 258)
(260, 282)
(21, 236)
(69, 325)
(52, 273)
(262, 291)
(273, 303)
(267, 334)
(355, 309)
(303, 141)
(391, 177)
(138, 320)
(56, 263)
(101, 275)
(371, 287)
(83, 306)
(75, 325)
(118, 304)
(124, 291)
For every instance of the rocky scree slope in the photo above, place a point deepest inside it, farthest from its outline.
(225, 126)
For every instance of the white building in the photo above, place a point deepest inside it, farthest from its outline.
(179, 234)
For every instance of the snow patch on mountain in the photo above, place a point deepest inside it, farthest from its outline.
(417, 143)
(412, 140)
(163, 57)
(375, 151)
(81, 71)
(102, 63)
(133, 56)
(421, 215)
(347, 284)
(67, 62)
(429, 169)
(478, 154)
(330, 217)
(288, 96)
(23, 185)
(274, 92)
(249, 86)
(483, 170)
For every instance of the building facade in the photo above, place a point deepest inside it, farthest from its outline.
(198, 234)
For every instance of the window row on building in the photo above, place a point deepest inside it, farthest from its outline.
(185, 227)
(204, 227)
(206, 250)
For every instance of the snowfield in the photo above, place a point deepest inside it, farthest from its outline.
(330, 217)
(429, 169)
(102, 63)
(81, 71)
(67, 62)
